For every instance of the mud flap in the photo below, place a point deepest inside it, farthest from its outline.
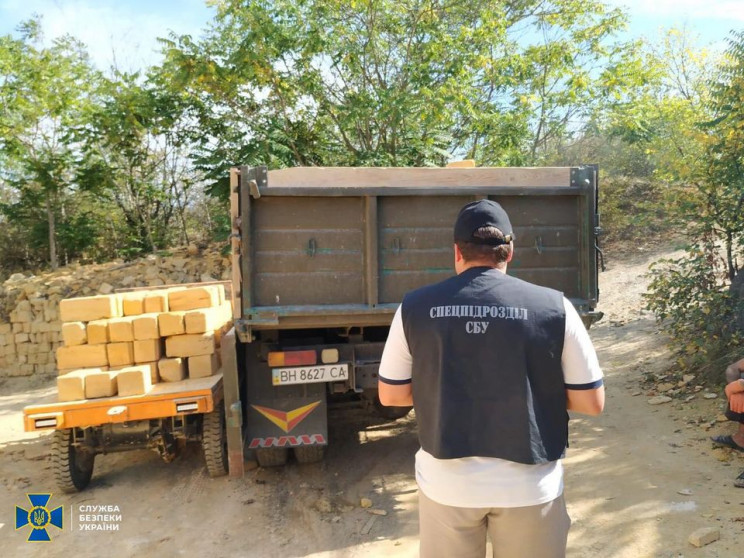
(287, 416)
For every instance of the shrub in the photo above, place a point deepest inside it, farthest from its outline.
(690, 296)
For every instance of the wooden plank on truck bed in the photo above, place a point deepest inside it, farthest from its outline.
(378, 177)
(198, 395)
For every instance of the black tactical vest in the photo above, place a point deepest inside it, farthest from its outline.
(487, 375)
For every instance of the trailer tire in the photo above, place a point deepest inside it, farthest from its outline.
(309, 454)
(272, 457)
(72, 466)
(214, 442)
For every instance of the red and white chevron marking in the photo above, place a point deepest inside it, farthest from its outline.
(287, 441)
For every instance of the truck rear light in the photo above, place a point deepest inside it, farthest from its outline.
(329, 356)
(293, 358)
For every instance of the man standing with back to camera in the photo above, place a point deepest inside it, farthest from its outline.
(491, 365)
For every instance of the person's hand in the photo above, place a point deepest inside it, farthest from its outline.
(737, 386)
(736, 402)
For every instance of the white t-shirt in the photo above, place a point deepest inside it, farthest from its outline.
(488, 482)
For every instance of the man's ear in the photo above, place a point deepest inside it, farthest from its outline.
(459, 260)
(511, 253)
(458, 254)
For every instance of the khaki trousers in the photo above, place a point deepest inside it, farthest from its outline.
(527, 532)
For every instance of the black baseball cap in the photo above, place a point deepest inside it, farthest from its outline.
(483, 213)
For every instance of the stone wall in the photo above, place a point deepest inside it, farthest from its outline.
(30, 329)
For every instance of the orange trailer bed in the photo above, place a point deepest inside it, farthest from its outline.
(166, 399)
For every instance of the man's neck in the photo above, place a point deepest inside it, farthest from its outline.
(469, 265)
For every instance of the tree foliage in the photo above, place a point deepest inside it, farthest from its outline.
(92, 167)
(43, 91)
(133, 154)
(397, 83)
(698, 294)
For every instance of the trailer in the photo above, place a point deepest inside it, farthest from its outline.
(190, 410)
(322, 257)
(168, 415)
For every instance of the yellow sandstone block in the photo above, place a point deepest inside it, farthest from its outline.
(190, 345)
(82, 356)
(100, 384)
(205, 319)
(171, 323)
(63, 371)
(156, 302)
(133, 304)
(151, 366)
(154, 373)
(74, 333)
(120, 354)
(172, 369)
(203, 366)
(97, 332)
(148, 350)
(193, 298)
(90, 308)
(218, 333)
(145, 327)
(134, 380)
(71, 386)
(227, 308)
(120, 330)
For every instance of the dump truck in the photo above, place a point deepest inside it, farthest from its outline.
(322, 257)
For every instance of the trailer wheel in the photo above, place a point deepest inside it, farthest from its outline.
(214, 442)
(272, 457)
(72, 466)
(309, 454)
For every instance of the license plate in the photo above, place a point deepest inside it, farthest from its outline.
(309, 374)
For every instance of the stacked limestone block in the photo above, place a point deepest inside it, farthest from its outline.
(192, 329)
(30, 303)
(28, 341)
(124, 343)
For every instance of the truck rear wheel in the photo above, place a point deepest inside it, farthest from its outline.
(309, 454)
(272, 457)
(214, 442)
(72, 466)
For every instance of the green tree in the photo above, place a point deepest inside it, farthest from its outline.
(700, 294)
(383, 82)
(134, 156)
(649, 142)
(42, 93)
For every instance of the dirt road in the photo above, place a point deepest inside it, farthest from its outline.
(639, 479)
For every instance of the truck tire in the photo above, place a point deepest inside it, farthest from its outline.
(72, 466)
(309, 454)
(272, 457)
(214, 442)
